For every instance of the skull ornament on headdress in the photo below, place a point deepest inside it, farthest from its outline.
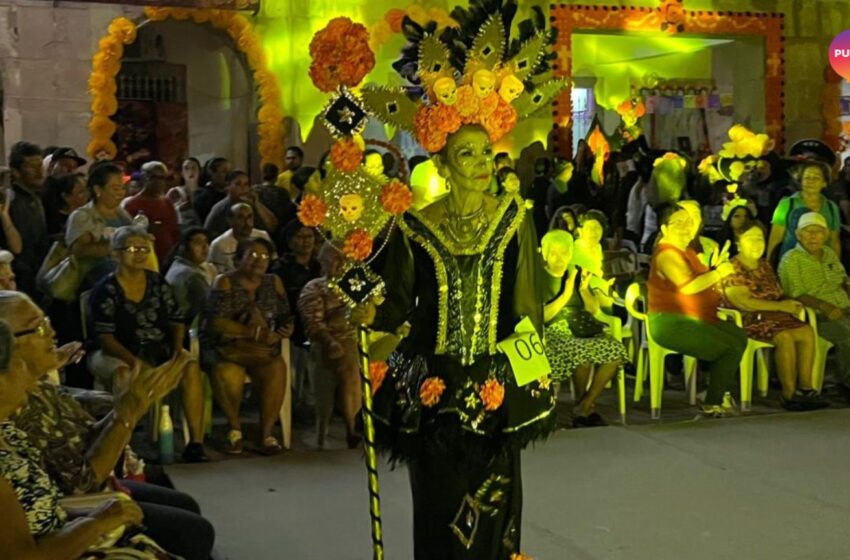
(446, 91)
(351, 207)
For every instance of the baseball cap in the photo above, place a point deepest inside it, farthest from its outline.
(811, 219)
(67, 153)
(6, 257)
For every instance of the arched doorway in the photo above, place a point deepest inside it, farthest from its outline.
(184, 90)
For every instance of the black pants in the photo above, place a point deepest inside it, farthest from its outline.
(465, 509)
(173, 519)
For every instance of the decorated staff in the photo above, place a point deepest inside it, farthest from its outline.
(354, 206)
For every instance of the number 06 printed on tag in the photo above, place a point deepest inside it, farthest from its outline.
(526, 353)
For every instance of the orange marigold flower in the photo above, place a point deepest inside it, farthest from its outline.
(492, 394)
(521, 556)
(431, 391)
(489, 104)
(396, 197)
(467, 102)
(428, 135)
(341, 55)
(312, 211)
(358, 245)
(346, 155)
(444, 118)
(377, 373)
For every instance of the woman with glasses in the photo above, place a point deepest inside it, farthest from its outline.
(247, 317)
(813, 177)
(137, 325)
(684, 295)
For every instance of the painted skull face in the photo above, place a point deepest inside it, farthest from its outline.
(351, 207)
(446, 91)
(483, 82)
(510, 88)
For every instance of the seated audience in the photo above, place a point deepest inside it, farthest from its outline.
(159, 211)
(223, 247)
(576, 340)
(276, 199)
(62, 195)
(334, 349)
(565, 219)
(91, 227)
(813, 177)
(35, 524)
(182, 196)
(238, 190)
(812, 274)
(754, 289)
(137, 325)
(508, 181)
(79, 454)
(190, 275)
(246, 319)
(683, 300)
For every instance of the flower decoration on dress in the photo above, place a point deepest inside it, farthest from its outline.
(472, 73)
(492, 394)
(431, 391)
(377, 373)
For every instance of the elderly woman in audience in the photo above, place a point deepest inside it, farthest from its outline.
(334, 347)
(190, 275)
(138, 325)
(247, 317)
(79, 453)
(90, 227)
(35, 525)
(767, 316)
(813, 177)
(576, 340)
(684, 295)
(812, 274)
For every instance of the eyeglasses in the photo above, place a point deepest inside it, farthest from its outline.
(261, 256)
(43, 329)
(133, 250)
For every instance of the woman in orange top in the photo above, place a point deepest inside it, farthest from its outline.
(684, 295)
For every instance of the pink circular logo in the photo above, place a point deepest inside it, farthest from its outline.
(839, 54)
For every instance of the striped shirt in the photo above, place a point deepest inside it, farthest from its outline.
(803, 274)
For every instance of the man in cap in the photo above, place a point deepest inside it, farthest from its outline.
(813, 274)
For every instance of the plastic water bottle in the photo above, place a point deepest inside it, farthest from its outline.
(166, 437)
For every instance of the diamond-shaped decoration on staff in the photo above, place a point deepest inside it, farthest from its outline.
(357, 284)
(344, 115)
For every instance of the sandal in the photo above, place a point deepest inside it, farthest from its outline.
(713, 411)
(233, 445)
(271, 446)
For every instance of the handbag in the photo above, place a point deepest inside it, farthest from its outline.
(248, 352)
(60, 274)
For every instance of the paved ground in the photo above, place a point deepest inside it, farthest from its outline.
(772, 487)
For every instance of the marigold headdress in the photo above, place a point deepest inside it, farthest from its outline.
(470, 74)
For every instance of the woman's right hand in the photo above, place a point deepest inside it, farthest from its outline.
(118, 513)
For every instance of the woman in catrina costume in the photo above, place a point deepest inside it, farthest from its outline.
(463, 272)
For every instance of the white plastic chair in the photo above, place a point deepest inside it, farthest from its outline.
(756, 350)
(822, 348)
(649, 350)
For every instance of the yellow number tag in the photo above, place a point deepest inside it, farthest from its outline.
(525, 351)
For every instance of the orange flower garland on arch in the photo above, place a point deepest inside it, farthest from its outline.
(107, 63)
